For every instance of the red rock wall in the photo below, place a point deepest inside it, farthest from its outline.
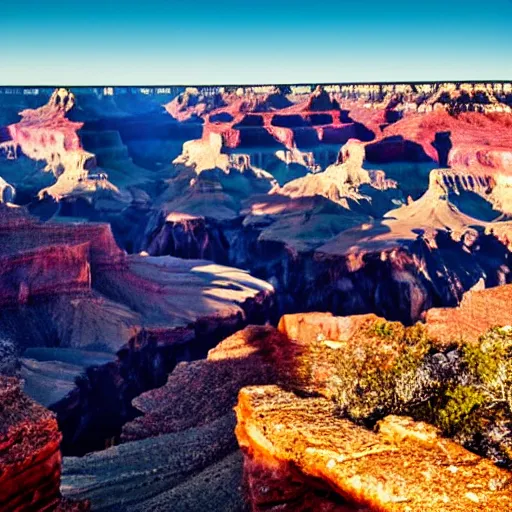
(30, 459)
(45, 270)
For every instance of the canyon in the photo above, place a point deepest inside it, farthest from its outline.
(171, 254)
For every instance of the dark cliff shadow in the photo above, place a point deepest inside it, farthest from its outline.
(442, 143)
(151, 137)
(5, 135)
(91, 415)
(474, 205)
(396, 148)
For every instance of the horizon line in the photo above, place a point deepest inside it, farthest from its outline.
(265, 84)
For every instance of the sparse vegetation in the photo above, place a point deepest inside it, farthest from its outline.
(378, 377)
(456, 413)
(465, 390)
(490, 365)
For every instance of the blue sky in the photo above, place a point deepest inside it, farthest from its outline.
(84, 42)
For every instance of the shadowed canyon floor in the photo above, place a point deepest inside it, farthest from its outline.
(151, 239)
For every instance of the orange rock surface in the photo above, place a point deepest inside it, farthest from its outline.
(300, 457)
(479, 311)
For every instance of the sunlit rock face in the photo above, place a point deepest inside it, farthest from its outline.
(49, 259)
(478, 311)
(45, 142)
(305, 446)
(340, 182)
(300, 457)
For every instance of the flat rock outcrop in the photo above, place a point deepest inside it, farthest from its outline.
(299, 456)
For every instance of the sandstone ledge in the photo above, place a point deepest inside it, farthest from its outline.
(316, 459)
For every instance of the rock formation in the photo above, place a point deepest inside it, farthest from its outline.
(478, 311)
(7, 192)
(300, 457)
(47, 134)
(190, 436)
(341, 181)
(70, 286)
(30, 460)
(299, 452)
(213, 216)
(477, 141)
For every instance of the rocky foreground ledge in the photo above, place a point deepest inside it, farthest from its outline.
(336, 435)
(300, 456)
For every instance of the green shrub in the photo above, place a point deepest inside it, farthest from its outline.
(461, 402)
(378, 378)
(385, 329)
(490, 365)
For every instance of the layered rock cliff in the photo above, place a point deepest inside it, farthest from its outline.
(167, 310)
(188, 436)
(410, 213)
(46, 134)
(439, 244)
(69, 288)
(30, 459)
